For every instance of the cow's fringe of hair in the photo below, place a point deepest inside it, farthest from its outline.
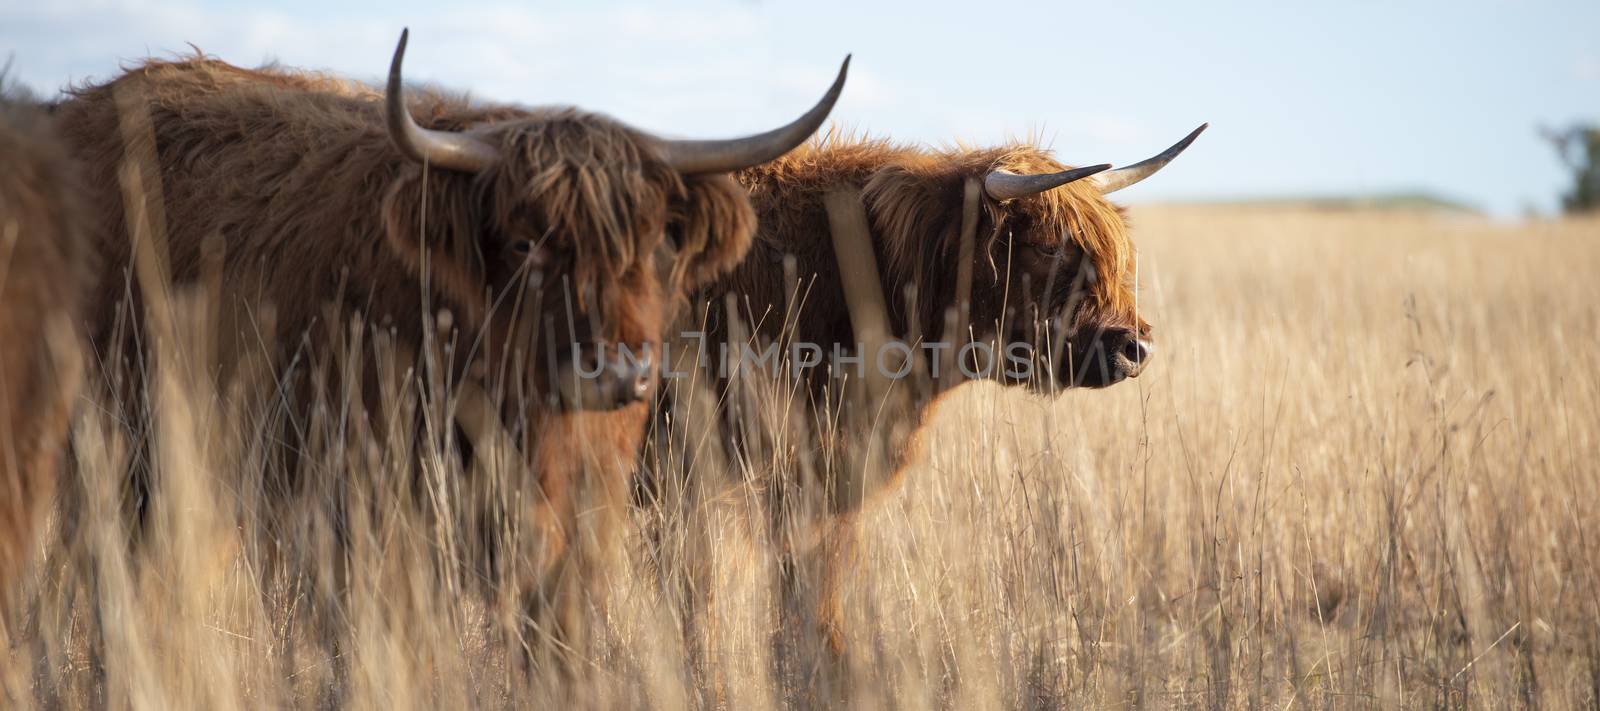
(1075, 212)
(593, 188)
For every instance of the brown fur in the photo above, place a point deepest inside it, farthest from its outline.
(913, 198)
(315, 207)
(295, 171)
(1050, 242)
(43, 272)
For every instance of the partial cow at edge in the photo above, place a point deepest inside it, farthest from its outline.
(43, 274)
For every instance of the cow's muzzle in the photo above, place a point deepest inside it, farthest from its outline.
(1111, 356)
(606, 377)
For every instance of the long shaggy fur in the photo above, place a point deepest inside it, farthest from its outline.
(1062, 253)
(43, 274)
(914, 201)
(315, 208)
(295, 171)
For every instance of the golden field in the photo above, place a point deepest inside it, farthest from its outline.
(1360, 473)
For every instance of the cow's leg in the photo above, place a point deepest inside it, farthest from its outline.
(838, 557)
(63, 570)
(331, 623)
(44, 682)
(545, 635)
(801, 656)
(684, 466)
(811, 651)
(681, 579)
(301, 596)
(572, 534)
(541, 575)
(787, 669)
(318, 586)
(699, 635)
(692, 576)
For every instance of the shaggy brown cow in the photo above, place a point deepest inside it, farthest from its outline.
(1041, 257)
(540, 230)
(1050, 251)
(42, 282)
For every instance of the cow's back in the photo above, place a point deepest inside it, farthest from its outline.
(43, 272)
(256, 158)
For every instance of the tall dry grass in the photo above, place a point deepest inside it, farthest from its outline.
(1360, 474)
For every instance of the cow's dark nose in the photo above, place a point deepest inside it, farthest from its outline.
(1127, 351)
(632, 378)
(643, 383)
(607, 377)
(1112, 356)
(1137, 351)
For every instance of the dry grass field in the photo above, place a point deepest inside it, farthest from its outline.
(1361, 473)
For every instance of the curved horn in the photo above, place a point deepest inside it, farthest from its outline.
(1005, 185)
(692, 157)
(445, 149)
(1120, 178)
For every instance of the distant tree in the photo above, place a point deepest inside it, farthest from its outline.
(1579, 147)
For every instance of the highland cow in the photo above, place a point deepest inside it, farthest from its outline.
(43, 275)
(1001, 247)
(554, 238)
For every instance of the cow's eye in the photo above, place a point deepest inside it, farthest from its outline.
(531, 251)
(1048, 251)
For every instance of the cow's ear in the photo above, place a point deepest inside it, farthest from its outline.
(916, 214)
(712, 229)
(910, 201)
(449, 227)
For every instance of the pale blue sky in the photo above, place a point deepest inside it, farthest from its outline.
(1337, 98)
